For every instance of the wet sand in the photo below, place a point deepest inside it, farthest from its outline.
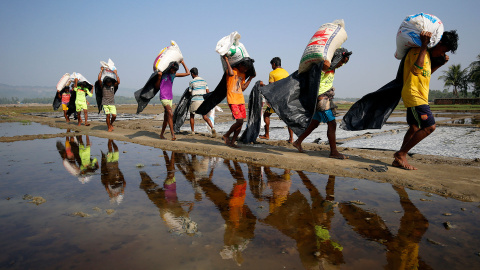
(450, 177)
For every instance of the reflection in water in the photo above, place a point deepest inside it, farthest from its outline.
(166, 199)
(402, 249)
(112, 177)
(239, 219)
(308, 222)
(76, 157)
(296, 207)
(309, 225)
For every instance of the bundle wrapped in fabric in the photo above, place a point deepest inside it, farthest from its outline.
(328, 38)
(408, 34)
(166, 56)
(231, 47)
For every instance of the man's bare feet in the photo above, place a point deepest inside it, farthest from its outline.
(174, 138)
(289, 141)
(233, 145)
(226, 140)
(401, 162)
(80, 123)
(265, 137)
(162, 137)
(87, 124)
(110, 129)
(338, 156)
(298, 146)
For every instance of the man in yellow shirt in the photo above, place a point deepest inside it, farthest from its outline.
(420, 63)
(276, 74)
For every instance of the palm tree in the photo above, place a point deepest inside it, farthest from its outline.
(457, 78)
(474, 76)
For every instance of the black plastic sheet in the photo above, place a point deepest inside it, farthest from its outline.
(57, 102)
(294, 98)
(181, 111)
(145, 94)
(252, 129)
(98, 96)
(373, 109)
(213, 98)
(72, 108)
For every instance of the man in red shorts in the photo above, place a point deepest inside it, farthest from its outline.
(235, 86)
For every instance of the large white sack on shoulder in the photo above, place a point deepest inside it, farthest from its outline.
(110, 65)
(408, 34)
(64, 81)
(166, 56)
(79, 76)
(322, 45)
(108, 73)
(235, 55)
(224, 44)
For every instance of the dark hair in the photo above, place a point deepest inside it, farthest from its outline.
(338, 56)
(246, 62)
(172, 65)
(108, 80)
(194, 71)
(450, 40)
(276, 61)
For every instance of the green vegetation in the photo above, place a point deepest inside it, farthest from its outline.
(13, 100)
(463, 79)
(474, 76)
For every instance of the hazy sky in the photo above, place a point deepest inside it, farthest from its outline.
(41, 40)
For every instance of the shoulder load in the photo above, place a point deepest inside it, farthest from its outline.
(231, 47)
(323, 44)
(166, 56)
(408, 34)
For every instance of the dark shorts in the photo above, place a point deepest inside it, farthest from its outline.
(420, 116)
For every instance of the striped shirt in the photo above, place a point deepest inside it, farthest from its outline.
(198, 87)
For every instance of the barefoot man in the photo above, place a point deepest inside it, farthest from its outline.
(420, 63)
(325, 108)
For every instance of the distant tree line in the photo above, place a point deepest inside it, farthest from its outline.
(49, 100)
(12, 100)
(461, 80)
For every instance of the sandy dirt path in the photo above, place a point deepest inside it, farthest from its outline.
(450, 177)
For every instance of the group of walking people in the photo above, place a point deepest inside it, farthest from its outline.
(416, 69)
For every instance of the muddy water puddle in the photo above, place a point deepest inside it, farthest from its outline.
(112, 204)
(10, 129)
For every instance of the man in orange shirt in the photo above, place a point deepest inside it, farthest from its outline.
(235, 86)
